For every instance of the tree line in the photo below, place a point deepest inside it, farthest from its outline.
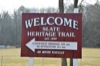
(10, 24)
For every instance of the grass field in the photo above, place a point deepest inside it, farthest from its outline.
(11, 57)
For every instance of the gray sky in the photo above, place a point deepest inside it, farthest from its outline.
(11, 5)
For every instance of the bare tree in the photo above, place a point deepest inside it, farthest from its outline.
(61, 10)
(61, 6)
(75, 3)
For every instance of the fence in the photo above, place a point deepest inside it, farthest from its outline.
(15, 60)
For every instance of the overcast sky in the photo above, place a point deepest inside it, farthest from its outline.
(11, 5)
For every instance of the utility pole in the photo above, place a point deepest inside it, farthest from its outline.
(61, 10)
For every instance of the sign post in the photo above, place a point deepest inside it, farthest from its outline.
(31, 61)
(75, 61)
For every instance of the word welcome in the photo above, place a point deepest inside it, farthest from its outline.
(58, 21)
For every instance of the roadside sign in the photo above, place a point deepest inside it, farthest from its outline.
(51, 35)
